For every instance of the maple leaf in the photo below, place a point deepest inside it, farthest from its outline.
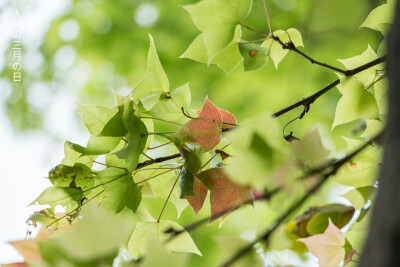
(29, 248)
(228, 119)
(225, 195)
(197, 201)
(206, 129)
(327, 247)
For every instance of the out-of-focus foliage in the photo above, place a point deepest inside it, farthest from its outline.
(108, 51)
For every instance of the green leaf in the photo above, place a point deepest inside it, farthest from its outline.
(96, 117)
(362, 169)
(99, 145)
(119, 190)
(63, 196)
(186, 181)
(78, 176)
(169, 105)
(156, 230)
(194, 160)
(381, 90)
(74, 154)
(155, 81)
(367, 76)
(137, 136)
(255, 56)
(380, 18)
(227, 59)
(355, 103)
(374, 127)
(309, 150)
(359, 196)
(217, 19)
(275, 49)
(158, 255)
(96, 236)
(259, 146)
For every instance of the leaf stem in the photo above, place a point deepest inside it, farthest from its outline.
(161, 120)
(150, 148)
(154, 176)
(74, 210)
(109, 166)
(169, 195)
(254, 30)
(267, 15)
(208, 161)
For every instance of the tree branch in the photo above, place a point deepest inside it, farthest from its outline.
(309, 100)
(157, 160)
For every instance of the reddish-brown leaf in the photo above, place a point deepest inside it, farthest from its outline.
(196, 202)
(228, 120)
(204, 130)
(225, 195)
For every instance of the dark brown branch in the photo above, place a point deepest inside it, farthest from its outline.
(309, 100)
(265, 237)
(157, 160)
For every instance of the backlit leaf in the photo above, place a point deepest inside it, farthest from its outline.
(119, 190)
(156, 230)
(225, 195)
(359, 196)
(200, 191)
(327, 247)
(355, 103)
(205, 130)
(155, 81)
(217, 19)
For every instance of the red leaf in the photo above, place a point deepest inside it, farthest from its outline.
(225, 195)
(228, 120)
(196, 202)
(204, 130)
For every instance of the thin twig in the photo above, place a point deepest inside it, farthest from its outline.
(310, 99)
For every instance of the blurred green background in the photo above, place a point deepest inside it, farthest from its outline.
(77, 51)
